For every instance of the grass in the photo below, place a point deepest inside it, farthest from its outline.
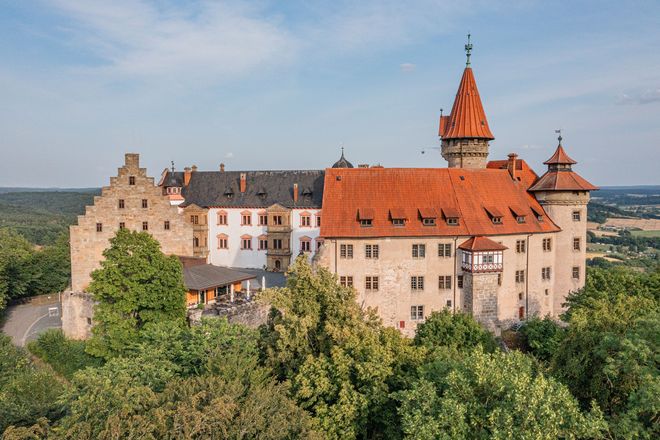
(645, 233)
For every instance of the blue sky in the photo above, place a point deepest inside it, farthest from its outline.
(281, 84)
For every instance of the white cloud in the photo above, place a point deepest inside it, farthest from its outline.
(640, 97)
(229, 155)
(407, 67)
(195, 41)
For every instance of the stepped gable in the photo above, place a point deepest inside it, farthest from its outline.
(467, 118)
(417, 191)
(262, 189)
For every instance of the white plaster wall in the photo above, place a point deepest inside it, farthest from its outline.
(234, 256)
(298, 231)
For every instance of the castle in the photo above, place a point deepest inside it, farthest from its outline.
(489, 238)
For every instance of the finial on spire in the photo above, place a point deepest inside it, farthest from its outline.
(468, 50)
(172, 166)
(559, 138)
(341, 145)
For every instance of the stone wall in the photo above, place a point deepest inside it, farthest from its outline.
(465, 153)
(77, 314)
(249, 313)
(101, 221)
(482, 288)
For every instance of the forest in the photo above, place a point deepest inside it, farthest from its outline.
(324, 368)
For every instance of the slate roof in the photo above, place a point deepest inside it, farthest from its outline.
(263, 189)
(207, 276)
(414, 192)
(467, 118)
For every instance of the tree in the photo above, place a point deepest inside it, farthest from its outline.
(610, 354)
(15, 272)
(136, 286)
(454, 330)
(477, 395)
(341, 362)
(542, 337)
(51, 268)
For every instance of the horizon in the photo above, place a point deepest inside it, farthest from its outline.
(282, 86)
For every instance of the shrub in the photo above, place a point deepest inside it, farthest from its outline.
(64, 355)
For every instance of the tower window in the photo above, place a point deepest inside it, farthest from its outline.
(122, 205)
(576, 216)
(145, 203)
(545, 273)
(131, 180)
(576, 244)
(99, 227)
(145, 226)
(576, 272)
(166, 225)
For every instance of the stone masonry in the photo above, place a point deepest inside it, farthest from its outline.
(131, 201)
(481, 294)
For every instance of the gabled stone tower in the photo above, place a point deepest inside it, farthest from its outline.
(465, 133)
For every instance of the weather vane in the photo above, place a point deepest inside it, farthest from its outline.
(468, 50)
(559, 138)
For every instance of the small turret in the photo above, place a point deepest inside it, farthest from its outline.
(342, 162)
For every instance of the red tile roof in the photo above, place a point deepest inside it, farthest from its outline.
(562, 180)
(467, 191)
(481, 244)
(467, 118)
(560, 157)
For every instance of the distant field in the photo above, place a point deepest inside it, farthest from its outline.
(645, 224)
(646, 233)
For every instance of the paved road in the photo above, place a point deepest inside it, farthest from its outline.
(24, 322)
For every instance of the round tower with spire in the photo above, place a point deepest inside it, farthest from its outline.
(564, 195)
(464, 132)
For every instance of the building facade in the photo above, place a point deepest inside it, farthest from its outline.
(131, 201)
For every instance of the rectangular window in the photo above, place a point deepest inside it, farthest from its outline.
(547, 244)
(131, 180)
(448, 303)
(520, 276)
(305, 246)
(459, 281)
(122, 204)
(576, 272)
(263, 244)
(417, 283)
(99, 227)
(520, 246)
(145, 226)
(416, 313)
(277, 243)
(428, 221)
(305, 221)
(444, 282)
(222, 219)
(365, 223)
(222, 243)
(346, 281)
(499, 279)
(263, 220)
(194, 219)
(122, 225)
(145, 203)
(576, 244)
(246, 219)
(277, 220)
(318, 221)
(497, 220)
(371, 251)
(418, 250)
(371, 283)
(246, 244)
(444, 250)
(576, 216)
(346, 251)
(166, 225)
(452, 221)
(545, 273)
(520, 219)
(398, 222)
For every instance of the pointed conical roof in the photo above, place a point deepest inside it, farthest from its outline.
(560, 157)
(467, 118)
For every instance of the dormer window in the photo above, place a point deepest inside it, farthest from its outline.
(229, 193)
(398, 216)
(520, 219)
(261, 193)
(428, 216)
(306, 192)
(519, 214)
(366, 217)
(538, 214)
(494, 214)
(451, 216)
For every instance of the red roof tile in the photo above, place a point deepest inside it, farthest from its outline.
(467, 118)
(428, 213)
(382, 188)
(398, 213)
(450, 212)
(481, 244)
(560, 157)
(365, 213)
(562, 180)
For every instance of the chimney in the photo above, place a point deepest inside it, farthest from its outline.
(363, 165)
(295, 193)
(511, 165)
(194, 168)
(222, 167)
(243, 182)
(187, 174)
